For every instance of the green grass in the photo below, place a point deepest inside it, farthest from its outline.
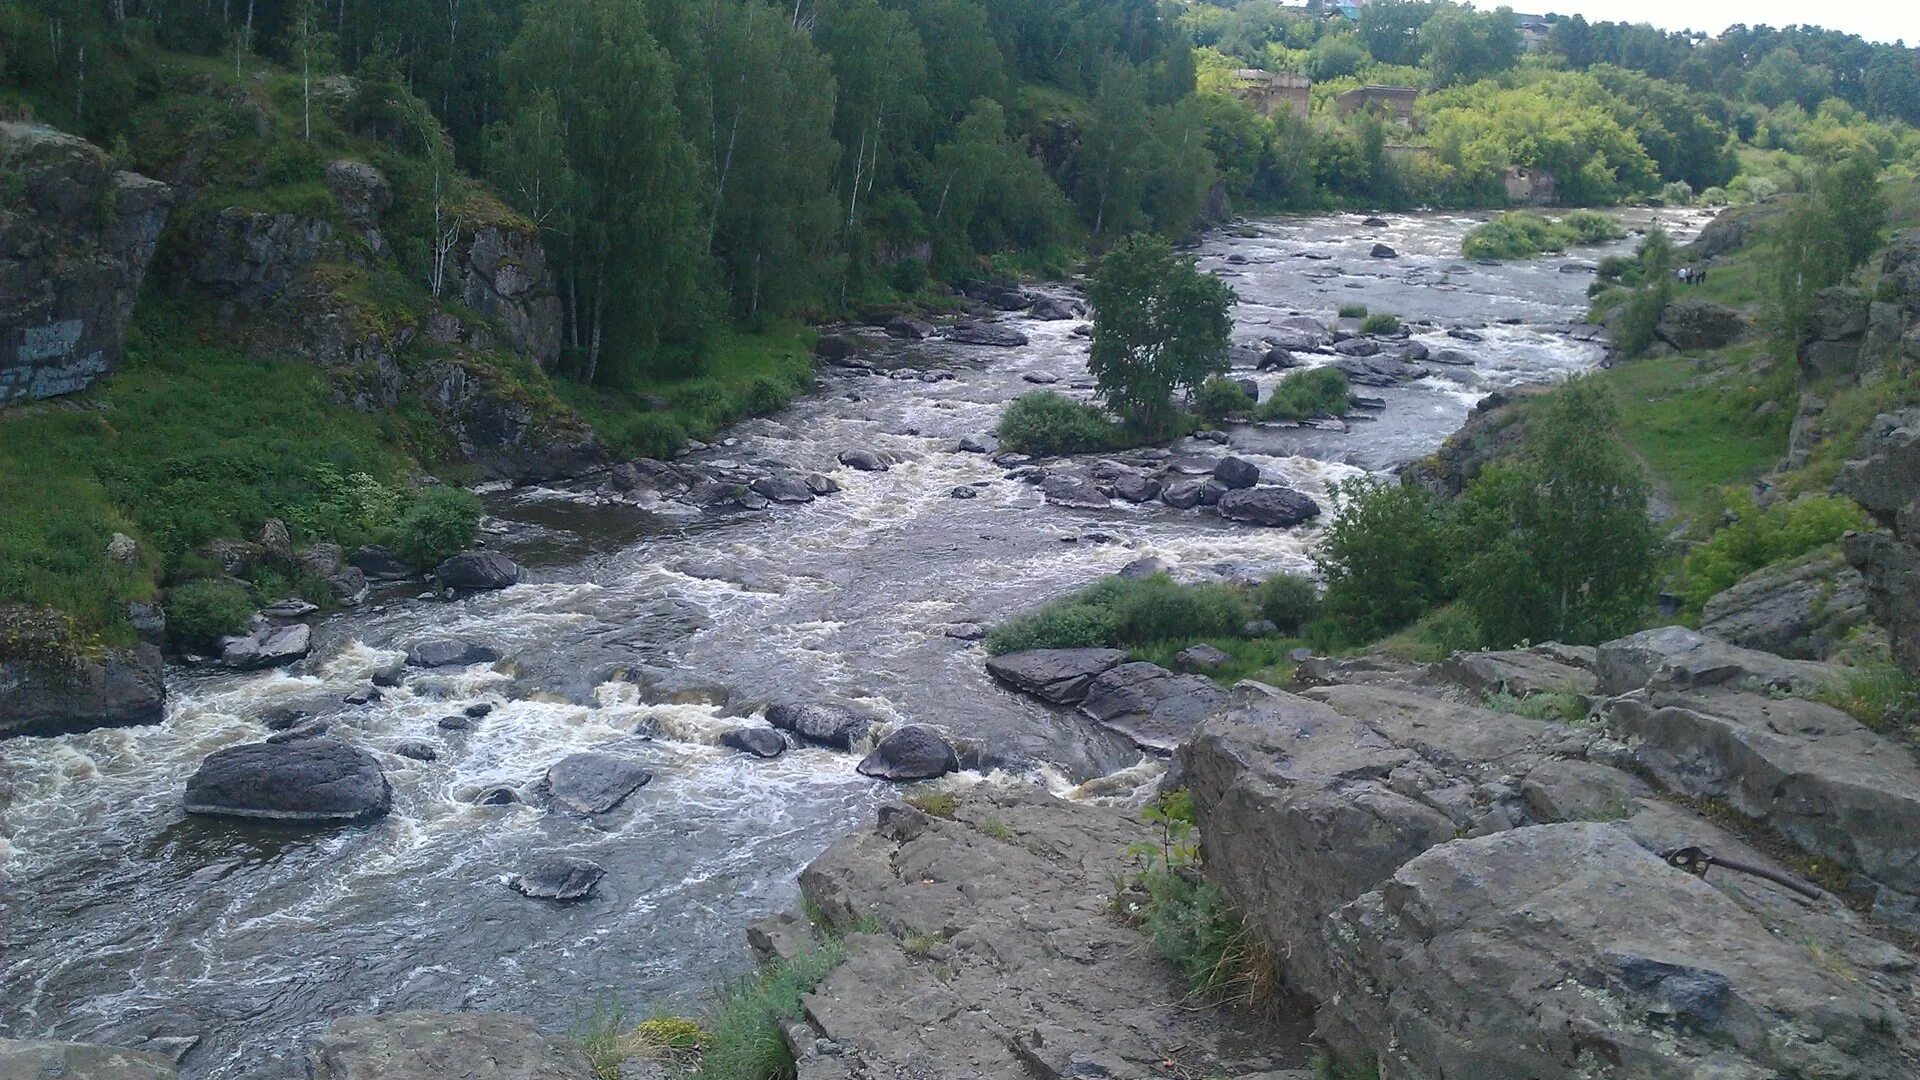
(1118, 612)
(1878, 693)
(747, 373)
(1693, 423)
(1263, 659)
(745, 1037)
(1518, 234)
(1322, 391)
(1559, 707)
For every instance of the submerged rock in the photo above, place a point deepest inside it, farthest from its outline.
(985, 333)
(760, 742)
(450, 652)
(442, 1046)
(828, 725)
(561, 879)
(863, 460)
(594, 783)
(309, 781)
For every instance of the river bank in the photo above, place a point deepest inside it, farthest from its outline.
(644, 631)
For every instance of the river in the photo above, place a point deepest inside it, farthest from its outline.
(122, 919)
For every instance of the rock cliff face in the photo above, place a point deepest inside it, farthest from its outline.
(1471, 893)
(50, 685)
(75, 240)
(1885, 479)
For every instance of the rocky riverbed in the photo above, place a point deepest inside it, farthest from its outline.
(659, 610)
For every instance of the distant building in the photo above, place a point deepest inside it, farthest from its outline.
(1269, 91)
(1532, 30)
(1397, 101)
(1530, 187)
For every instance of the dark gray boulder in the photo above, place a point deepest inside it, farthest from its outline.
(1184, 495)
(822, 484)
(1051, 309)
(1201, 659)
(1378, 370)
(415, 749)
(783, 487)
(1277, 359)
(1145, 567)
(1273, 506)
(379, 563)
(478, 570)
(1357, 346)
(909, 328)
(962, 491)
(1237, 472)
(1800, 609)
(760, 742)
(863, 460)
(1689, 324)
(1074, 492)
(1154, 707)
(310, 781)
(1382, 251)
(827, 725)
(559, 879)
(272, 646)
(594, 783)
(1135, 488)
(914, 752)
(1057, 675)
(115, 688)
(449, 652)
(456, 722)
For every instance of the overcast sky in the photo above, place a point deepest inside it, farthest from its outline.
(1875, 20)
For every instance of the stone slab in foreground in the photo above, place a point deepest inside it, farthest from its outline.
(421, 1045)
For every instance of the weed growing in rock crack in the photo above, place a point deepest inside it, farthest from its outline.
(1541, 705)
(1189, 920)
(1879, 695)
(938, 804)
(997, 829)
(609, 1037)
(745, 1025)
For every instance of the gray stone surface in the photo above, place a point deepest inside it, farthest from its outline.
(478, 570)
(1154, 707)
(117, 688)
(1679, 659)
(1060, 676)
(1800, 609)
(1544, 669)
(999, 958)
(1271, 506)
(594, 783)
(560, 879)
(913, 752)
(74, 249)
(1690, 323)
(311, 781)
(271, 646)
(443, 1046)
(36, 1059)
(825, 724)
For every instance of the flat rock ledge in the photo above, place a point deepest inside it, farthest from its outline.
(422, 1045)
(39, 1059)
(999, 957)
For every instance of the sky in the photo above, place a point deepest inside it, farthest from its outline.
(1875, 20)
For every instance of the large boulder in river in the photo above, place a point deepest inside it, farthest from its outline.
(1276, 506)
(379, 563)
(560, 879)
(986, 333)
(310, 781)
(1074, 492)
(863, 460)
(1057, 675)
(58, 688)
(827, 725)
(37, 1059)
(914, 752)
(478, 570)
(594, 783)
(1237, 472)
(450, 652)
(271, 646)
(757, 741)
(783, 487)
(1154, 707)
(442, 1046)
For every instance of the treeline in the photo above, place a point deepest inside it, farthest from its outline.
(693, 160)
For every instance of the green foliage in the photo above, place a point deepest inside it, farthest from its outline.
(1160, 326)
(1119, 612)
(438, 525)
(1640, 311)
(1383, 557)
(1289, 601)
(1879, 694)
(1518, 234)
(746, 1024)
(1558, 547)
(1381, 323)
(1220, 396)
(1541, 705)
(1322, 391)
(1048, 423)
(1189, 921)
(1827, 233)
(1353, 311)
(1755, 538)
(200, 613)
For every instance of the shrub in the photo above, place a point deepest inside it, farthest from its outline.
(1048, 423)
(1314, 392)
(1679, 193)
(1189, 921)
(1758, 538)
(440, 524)
(1381, 323)
(1518, 234)
(1160, 327)
(200, 613)
(1353, 311)
(1383, 558)
(1120, 612)
(1220, 396)
(654, 435)
(1591, 227)
(1879, 694)
(1639, 315)
(1289, 601)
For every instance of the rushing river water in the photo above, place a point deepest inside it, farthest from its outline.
(122, 919)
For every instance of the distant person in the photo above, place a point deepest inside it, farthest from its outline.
(1682, 274)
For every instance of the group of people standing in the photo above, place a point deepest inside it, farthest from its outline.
(1691, 275)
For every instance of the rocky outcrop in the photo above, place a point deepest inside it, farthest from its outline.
(998, 955)
(1154, 707)
(1684, 659)
(1734, 228)
(500, 270)
(311, 781)
(1691, 324)
(442, 1046)
(1836, 335)
(75, 240)
(1466, 892)
(1495, 429)
(1885, 480)
(48, 686)
(1060, 676)
(1800, 609)
(1272, 506)
(835, 726)
(35, 1059)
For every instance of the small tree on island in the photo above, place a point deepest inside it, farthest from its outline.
(1159, 327)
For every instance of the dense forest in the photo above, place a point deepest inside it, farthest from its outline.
(690, 161)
